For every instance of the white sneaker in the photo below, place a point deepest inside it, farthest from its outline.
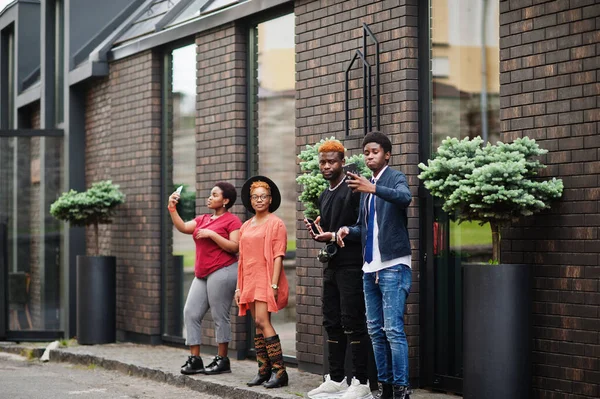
(329, 389)
(357, 391)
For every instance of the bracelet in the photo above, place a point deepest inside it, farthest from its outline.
(237, 290)
(333, 237)
(173, 209)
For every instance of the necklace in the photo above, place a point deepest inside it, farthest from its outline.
(339, 184)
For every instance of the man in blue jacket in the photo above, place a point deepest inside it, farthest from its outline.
(382, 229)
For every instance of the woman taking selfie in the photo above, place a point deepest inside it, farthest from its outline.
(262, 286)
(216, 236)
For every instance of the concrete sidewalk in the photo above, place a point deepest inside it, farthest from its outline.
(162, 363)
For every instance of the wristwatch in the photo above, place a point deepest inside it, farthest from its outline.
(274, 286)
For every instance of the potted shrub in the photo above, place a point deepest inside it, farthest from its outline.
(493, 184)
(96, 275)
(312, 180)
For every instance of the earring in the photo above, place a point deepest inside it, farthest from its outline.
(223, 205)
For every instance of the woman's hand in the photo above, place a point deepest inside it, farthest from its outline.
(275, 292)
(236, 296)
(173, 199)
(204, 233)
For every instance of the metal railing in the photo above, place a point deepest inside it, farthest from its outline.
(367, 84)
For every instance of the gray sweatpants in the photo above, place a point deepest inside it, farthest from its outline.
(214, 292)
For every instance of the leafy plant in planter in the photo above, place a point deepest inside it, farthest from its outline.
(94, 206)
(491, 183)
(312, 180)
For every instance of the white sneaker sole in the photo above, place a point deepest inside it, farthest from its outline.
(327, 395)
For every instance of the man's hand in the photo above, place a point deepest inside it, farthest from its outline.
(360, 184)
(341, 233)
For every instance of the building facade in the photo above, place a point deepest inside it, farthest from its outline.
(153, 94)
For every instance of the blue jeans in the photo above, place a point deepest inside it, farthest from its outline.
(385, 301)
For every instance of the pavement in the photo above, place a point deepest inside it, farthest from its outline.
(162, 364)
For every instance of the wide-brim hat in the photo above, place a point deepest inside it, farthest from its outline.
(275, 194)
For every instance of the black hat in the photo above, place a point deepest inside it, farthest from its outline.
(275, 195)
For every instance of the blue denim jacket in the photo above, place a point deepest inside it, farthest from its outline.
(392, 198)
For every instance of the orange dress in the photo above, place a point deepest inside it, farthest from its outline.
(259, 246)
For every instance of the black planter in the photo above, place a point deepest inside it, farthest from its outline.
(96, 299)
(497, 331)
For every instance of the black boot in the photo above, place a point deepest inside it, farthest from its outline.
(401, 392)
(219, 365)
(279, 377)
(385, 391)
(193, 365)
(264, 365)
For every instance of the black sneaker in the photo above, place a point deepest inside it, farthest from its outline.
(219, 365)
(193, 365)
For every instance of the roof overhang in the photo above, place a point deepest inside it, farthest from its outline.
(193, 27)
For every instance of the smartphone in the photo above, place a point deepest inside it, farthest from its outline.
(350, 167)
(313, 226)
(178, 191)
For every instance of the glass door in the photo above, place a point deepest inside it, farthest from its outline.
(31, 179)
(461, 86)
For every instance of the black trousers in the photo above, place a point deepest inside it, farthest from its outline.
(345, 321)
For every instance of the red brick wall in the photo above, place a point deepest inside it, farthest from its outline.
(327, 36)
(550, 56)
(221, 132)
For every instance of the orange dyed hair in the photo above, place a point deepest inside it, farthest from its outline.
(332, 146)
(258, 184)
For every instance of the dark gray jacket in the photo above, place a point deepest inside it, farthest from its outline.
(392, 198)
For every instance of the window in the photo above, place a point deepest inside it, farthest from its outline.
(180, 111)
(272, 142)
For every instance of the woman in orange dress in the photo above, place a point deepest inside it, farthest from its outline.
(262, 286)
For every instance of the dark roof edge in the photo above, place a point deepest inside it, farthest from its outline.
(194, 27)
(99, 54)
(82, 53)
(87, 70)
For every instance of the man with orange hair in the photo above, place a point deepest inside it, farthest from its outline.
(343, 299)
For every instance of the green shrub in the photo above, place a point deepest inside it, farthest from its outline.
(312, 180)
(92, 207)
(492, 183)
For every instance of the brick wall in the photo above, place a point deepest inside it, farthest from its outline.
(123, 126)
(221, 132)
(98, 151)
(327, 36)
(550, 55)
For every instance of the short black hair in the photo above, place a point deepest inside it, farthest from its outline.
(379, 138)
(228, 192)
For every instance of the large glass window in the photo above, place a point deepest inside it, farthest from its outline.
(465, 103)
(272, 140)
(180, 103)
(30, 239)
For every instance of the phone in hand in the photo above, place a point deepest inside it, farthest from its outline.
(313, 226)
(350, 167)
(178, 191)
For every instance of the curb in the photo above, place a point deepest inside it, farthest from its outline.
(178, 380)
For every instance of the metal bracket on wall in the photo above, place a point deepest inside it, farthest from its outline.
(367, 84)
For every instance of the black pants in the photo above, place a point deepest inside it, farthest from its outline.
(344, 319)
